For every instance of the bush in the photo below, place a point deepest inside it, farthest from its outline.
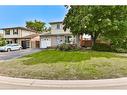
(2, 42)
(102, 47)
(120, 50)
(67, 47)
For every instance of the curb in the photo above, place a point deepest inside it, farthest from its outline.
(64, 83)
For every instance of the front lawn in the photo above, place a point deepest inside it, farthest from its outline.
(52, 64)
(55, 56)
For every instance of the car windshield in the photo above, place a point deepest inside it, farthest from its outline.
(12, 45)
(9, 45)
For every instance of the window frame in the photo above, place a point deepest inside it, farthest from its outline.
(15, 31)
(67, 38)
(7, 32)
(58, 26)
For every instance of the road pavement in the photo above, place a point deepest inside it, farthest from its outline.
(19, 83)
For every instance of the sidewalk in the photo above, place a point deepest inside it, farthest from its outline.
(19, 83)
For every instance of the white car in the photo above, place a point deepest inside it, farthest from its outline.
(10, 47)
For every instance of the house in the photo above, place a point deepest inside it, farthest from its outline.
(27, 38)
(1, 33)
(56, 36)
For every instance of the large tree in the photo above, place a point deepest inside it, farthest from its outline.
(97, 21)
(38, 26)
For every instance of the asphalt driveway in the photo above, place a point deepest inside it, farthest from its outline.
(17, 54)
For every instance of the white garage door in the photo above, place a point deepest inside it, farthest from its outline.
(45, 42)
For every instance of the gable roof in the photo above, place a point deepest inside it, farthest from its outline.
(55, 22)
(24, 28)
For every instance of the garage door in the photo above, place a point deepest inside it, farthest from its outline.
(25, 44)
(45, 42)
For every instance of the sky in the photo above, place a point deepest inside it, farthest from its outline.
(13, 16)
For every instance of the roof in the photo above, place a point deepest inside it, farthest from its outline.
(31, 36)
(55, 22)
(24, 28)
(50, 34)
(25, 37)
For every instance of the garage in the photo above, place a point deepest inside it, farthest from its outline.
(45, 42)
(25, 44)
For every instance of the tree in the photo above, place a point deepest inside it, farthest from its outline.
(97, 21)
(2, 41)
(36, 25)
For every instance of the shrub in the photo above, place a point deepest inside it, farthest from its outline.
(120, 50)
(102, 47)
(67, 47)
(2, 42)
(119, 45)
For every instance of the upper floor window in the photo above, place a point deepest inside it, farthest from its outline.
(15, 31)
(58, 26)
(7, 32)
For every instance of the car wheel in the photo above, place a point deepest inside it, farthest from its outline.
(20, 48)
(8, 50)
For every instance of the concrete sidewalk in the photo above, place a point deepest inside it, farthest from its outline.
(19, 83)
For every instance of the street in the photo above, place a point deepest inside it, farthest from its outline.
(20, 83)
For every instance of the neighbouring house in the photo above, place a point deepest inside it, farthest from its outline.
(27, 38)
(58, 36)
(1, 33)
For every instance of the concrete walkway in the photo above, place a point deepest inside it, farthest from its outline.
(19, 83)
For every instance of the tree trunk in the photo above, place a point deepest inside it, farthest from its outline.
(94, 37)
(93, 41)
(78, 40)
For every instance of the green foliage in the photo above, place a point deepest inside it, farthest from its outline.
(119, 43)
(118, 38)
(36, 25)
(120, 50)
(57, 56)
(97, 21)
(102, 47)
(2, 41)
(93, 68)
(67, 47)
(118, 47)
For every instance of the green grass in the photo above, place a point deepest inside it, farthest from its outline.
(55, 56)
(52, 64)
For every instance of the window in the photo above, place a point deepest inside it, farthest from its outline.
(15, 41)
(58, 26)
(9, 42)
(15, 45)
(68, 39)
(7, 32)
(15, 31)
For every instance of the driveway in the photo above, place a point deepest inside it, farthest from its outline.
(16, 54)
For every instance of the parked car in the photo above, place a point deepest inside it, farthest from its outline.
(10, 47)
